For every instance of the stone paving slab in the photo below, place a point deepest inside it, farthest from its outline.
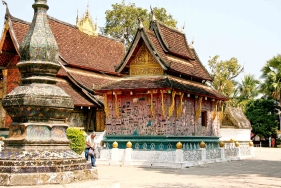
(263, 171)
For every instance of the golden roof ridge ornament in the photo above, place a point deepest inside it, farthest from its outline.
(85, 24)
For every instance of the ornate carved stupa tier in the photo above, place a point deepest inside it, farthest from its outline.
(38, 99)
(37, 148)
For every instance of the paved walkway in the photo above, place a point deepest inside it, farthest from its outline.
(263, 171)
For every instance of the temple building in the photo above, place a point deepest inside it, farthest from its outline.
(163, 95)
(86, 58)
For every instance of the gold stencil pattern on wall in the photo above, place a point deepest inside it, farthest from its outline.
(215, 112)
(179, 109)
(198, 111)
(106, 110)
(172, 107)
(162, 103)
(145, 64)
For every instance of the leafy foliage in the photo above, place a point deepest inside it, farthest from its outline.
(121, 21)
(223, 73)
(247, 90)
(77, 139)
(263, 115)
(271, 73)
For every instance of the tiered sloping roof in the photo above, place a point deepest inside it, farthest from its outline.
(78, 96)
(170, 48)
(161, 82)
(78, 49)
(97, 55)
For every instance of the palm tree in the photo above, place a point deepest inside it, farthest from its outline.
(271, 73)
(248, 89)
(244, 92)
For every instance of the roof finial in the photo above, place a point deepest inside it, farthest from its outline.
(96, 24)
(77, 17)
(87, 11)
(191, 43)
(182, 29)
(152, 14)
(7, 9)
(140, 23)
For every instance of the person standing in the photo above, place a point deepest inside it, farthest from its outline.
(272, 142)
(90, 143)
(269, 142)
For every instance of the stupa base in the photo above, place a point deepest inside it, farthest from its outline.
(25, 179)
(40, 165)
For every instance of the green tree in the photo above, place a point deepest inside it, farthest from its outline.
(247, 89)
(77, 139)
(223, 73)
(271, 73)
(263, 115)
(121, 21)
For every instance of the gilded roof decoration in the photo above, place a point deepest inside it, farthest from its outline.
(144, 63)
(86, 25)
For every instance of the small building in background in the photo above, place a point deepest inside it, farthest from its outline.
(235, 125)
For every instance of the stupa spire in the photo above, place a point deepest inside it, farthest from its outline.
(37, 145)
(39, 43)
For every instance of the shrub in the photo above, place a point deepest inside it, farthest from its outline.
(77, 139)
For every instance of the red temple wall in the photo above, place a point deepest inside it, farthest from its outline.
(136, 118)
(13, 80)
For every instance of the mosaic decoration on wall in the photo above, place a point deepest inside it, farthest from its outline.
(77, 118)
(58, 132)
(38, 132)
(17, 131)
(136, 117)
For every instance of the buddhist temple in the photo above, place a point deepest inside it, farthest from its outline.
(86, 58)
(163, 94)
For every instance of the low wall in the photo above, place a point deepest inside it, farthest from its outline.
(178, 158)
(158, 142)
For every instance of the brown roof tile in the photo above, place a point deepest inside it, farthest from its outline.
(89, 79)
(156, 82)
(174, 40)
(77, 48)
(193, 67)
(79, 98)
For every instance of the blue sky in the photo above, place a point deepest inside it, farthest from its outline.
(249, 30)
